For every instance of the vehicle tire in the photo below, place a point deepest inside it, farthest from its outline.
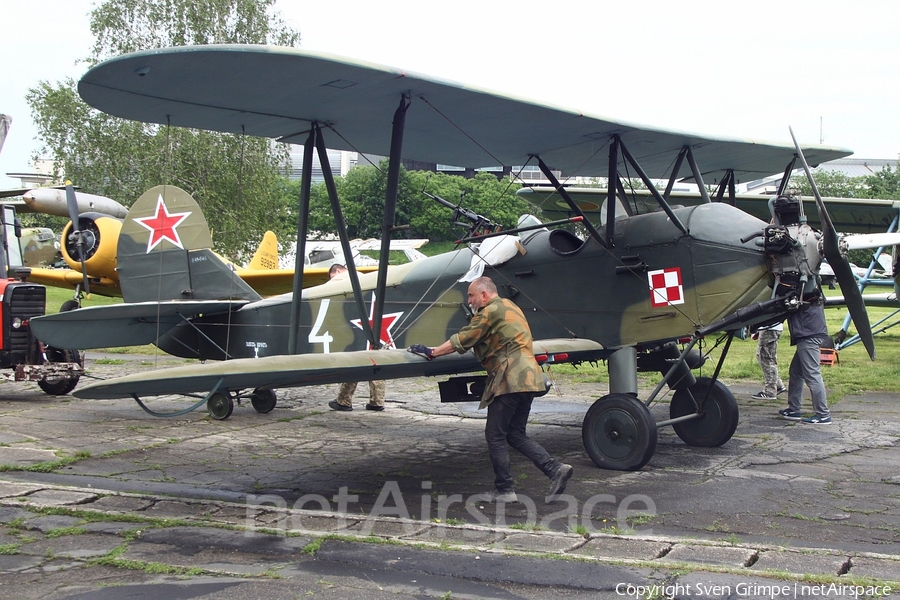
(263, 401)
(62, 385)
(718, 418)
(619, 433)
(220, 406)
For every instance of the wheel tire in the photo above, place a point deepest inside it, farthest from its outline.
(719, 418)
(62, 385)
(619, 433)
(263, 401)
(69, 305)
(220, 406)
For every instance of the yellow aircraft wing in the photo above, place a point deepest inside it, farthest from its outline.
(69, 279)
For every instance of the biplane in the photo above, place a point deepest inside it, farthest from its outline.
(643, 292)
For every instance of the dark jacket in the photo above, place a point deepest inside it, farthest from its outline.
(808, 322)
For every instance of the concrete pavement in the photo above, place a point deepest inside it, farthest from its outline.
(98, 493)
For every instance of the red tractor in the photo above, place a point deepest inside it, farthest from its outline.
(56, 371)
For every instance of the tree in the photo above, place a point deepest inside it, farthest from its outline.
(362, 195)
(831, 183)
(237, 180)
(884, 184)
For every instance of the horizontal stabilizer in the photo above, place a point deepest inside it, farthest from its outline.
(120, 324)
(311, 369)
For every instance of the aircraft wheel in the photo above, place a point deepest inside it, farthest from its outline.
(619, 433)
(59, 386)
(69, 305)
(263, 401)
(220, 406)
(719, 417)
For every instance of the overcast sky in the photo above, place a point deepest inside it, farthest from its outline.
(737, 69)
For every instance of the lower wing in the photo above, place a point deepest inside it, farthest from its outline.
(316, 369)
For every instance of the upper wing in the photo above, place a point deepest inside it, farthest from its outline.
(278, 92)
(315, 369)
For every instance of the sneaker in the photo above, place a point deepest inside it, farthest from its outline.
(762, 396)
(558, 482)
(818, 420)
(498, 496)
(374, 407)
(781, 390)
(790, 415)
(335, 406)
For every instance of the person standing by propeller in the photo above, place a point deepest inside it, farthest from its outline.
(500, 338)
(808, 333)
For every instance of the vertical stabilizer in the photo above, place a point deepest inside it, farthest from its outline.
(165, 253)
(266, 256)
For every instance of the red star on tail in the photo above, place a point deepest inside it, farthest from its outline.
(162, 225)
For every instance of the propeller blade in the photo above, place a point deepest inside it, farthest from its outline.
(72, 205)
(842, 271)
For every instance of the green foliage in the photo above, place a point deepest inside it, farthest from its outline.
(233, 178)
(362, 194)
(831, 183)
(883, 184)
(122, 26)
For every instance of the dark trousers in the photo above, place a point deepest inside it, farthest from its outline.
(507, 417)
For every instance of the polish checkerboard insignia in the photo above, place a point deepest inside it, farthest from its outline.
(665, 287)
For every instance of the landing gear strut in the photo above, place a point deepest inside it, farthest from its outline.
(618, 430)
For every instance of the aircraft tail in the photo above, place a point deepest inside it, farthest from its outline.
(165, 253)
(266, 257)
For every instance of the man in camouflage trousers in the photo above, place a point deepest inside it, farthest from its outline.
(344, 400)
(767, 356)
(500, 338)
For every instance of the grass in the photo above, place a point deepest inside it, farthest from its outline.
(855, 373)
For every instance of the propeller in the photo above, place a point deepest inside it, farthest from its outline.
(839, 264)
(76, 233)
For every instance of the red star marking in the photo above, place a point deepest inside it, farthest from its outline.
(162, 225)
(387, 324)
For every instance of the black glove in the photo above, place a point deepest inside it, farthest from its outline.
(422, 350)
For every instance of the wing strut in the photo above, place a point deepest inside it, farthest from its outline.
(698, 176)
(786, 178)
(390, 208)
(675, 169)
(344, 238)
(613, 183)
(659, 199)
(727, 183)
(302, 224)
(695, 171)
(575, 208)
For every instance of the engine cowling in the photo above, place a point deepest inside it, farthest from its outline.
(100, 235)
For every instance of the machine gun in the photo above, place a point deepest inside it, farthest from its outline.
(474, 224)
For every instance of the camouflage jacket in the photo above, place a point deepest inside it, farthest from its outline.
(500, 338)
